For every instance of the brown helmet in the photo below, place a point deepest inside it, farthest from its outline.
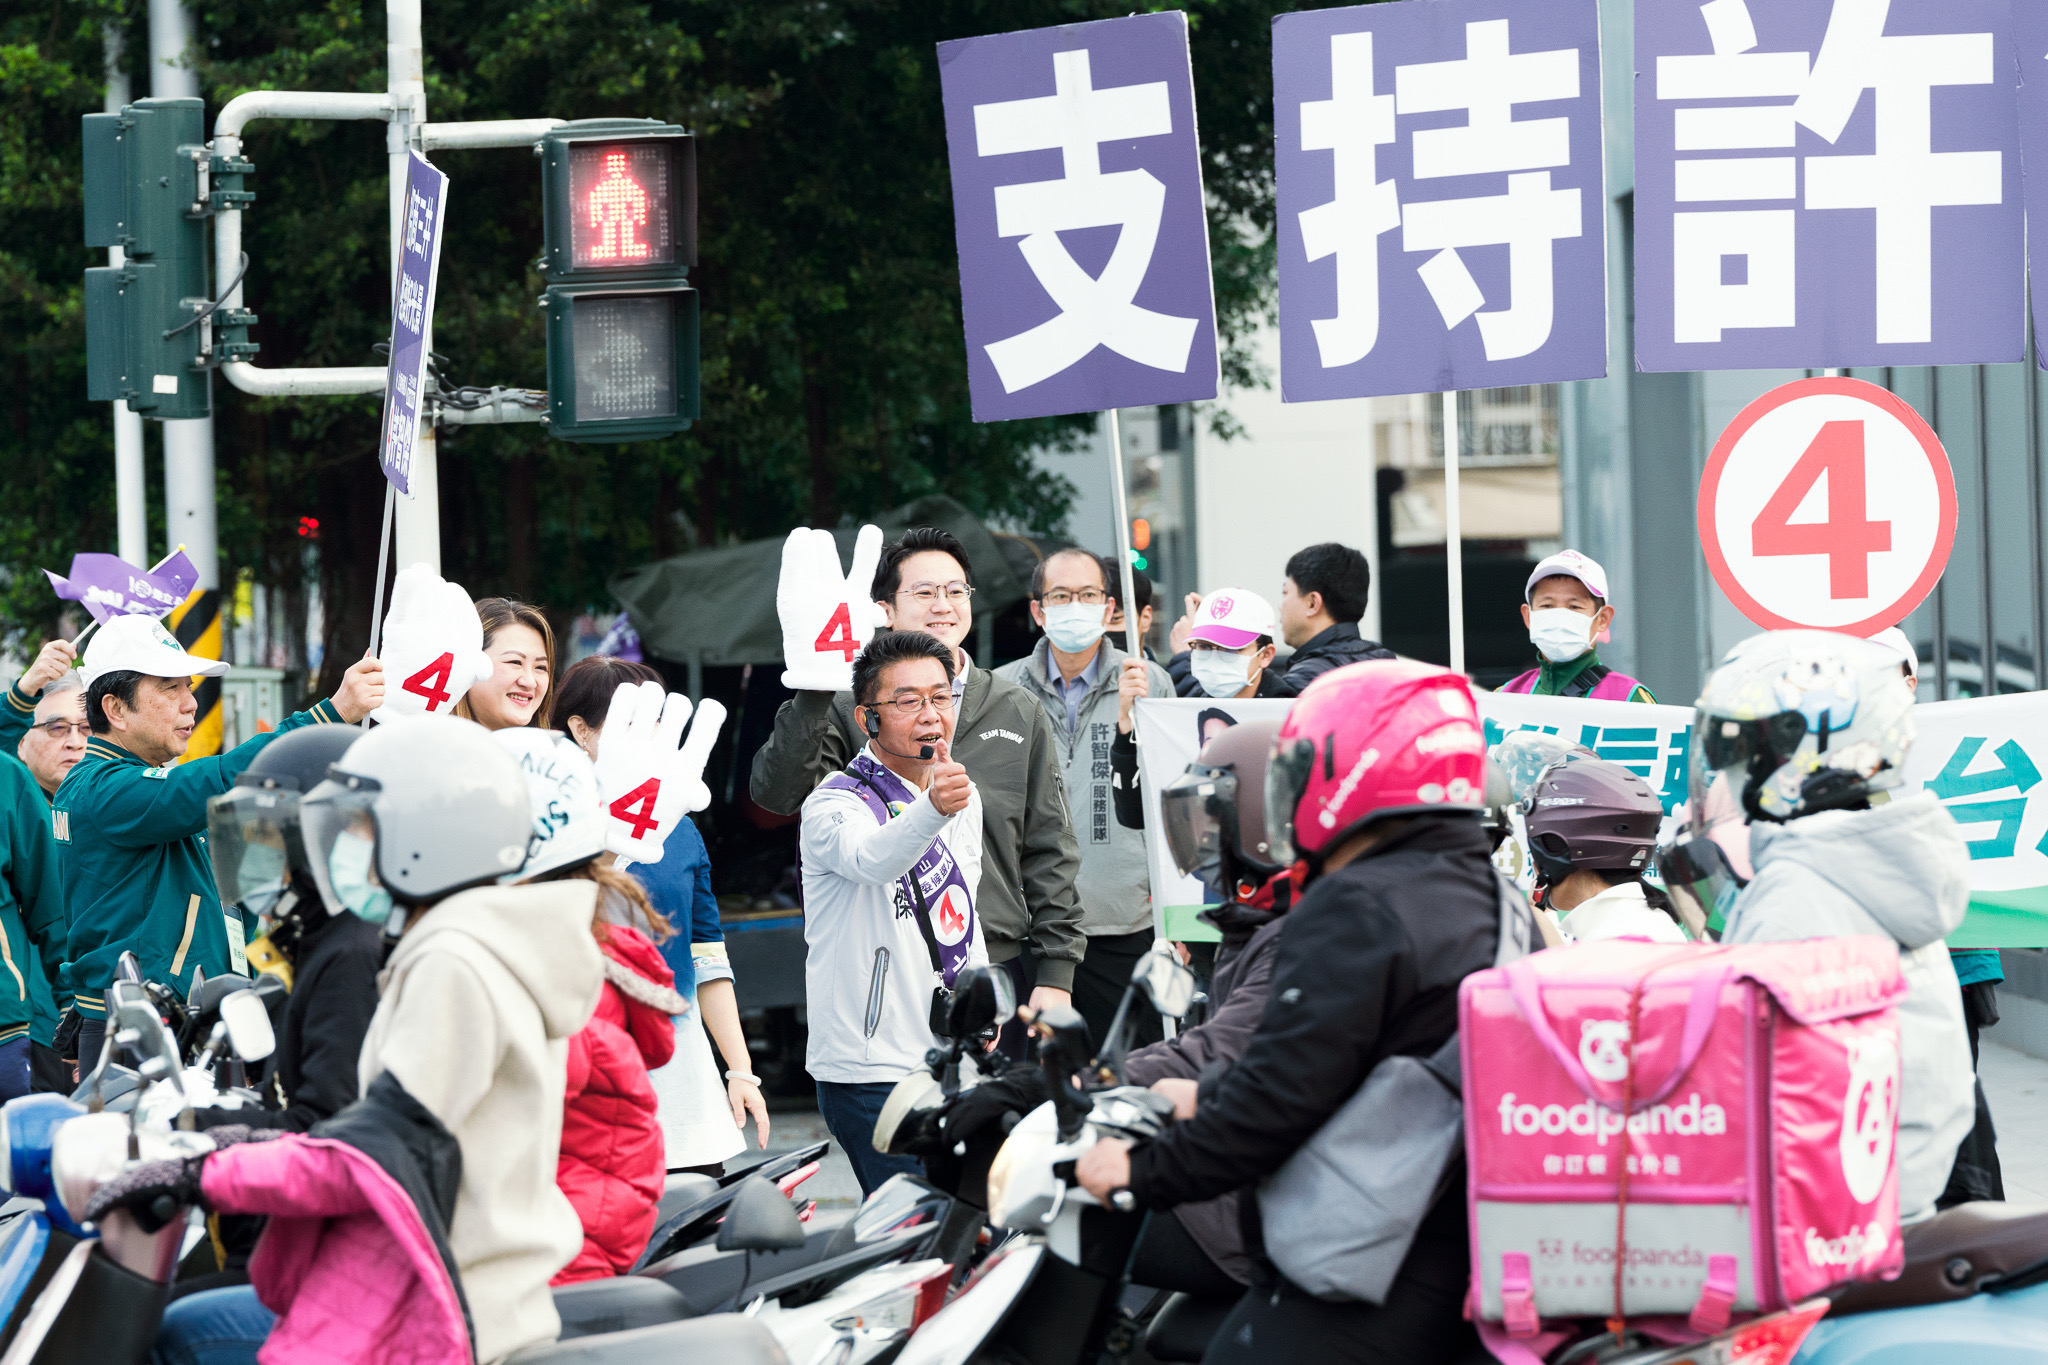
(1215, 812)
(1590, 813)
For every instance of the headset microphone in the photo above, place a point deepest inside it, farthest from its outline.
(874, 729)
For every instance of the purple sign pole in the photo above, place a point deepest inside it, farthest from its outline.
(1084, 247)
(2030, 27)
(1442, 207)
(1827, 183)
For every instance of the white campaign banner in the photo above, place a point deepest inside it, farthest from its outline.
(1983, 758)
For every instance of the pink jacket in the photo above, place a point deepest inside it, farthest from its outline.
(345, 1261)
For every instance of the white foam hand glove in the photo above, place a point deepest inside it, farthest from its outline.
(826, 618)
(646, 782)
(433, 646)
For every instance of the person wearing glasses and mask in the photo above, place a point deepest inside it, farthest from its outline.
(54, 743)
(1030, 912)
(1075, 674)
(892, 857)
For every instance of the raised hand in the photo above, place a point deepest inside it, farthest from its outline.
(951, 788)
(433, 646)
(648, 775)
(826, 618)
(52, 662)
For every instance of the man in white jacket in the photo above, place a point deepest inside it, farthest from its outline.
(891, 853)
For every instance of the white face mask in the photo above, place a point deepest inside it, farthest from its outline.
(1073, 627)
(1560, 635)
(1220, 674)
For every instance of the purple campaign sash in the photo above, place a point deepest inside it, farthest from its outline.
(937, 871)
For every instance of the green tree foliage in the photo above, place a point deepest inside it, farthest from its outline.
(834, 374)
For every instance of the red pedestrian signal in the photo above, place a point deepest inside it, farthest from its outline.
(622, 205)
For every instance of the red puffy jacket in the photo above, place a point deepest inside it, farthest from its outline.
(612, 1165)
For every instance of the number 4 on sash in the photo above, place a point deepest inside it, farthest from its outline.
(636, 807)
(838, 634)
(431, 682)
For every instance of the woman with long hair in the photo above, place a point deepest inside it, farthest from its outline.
(521, 644)
(694, 1103)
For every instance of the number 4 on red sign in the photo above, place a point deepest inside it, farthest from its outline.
(636, 807)
(838, 634)
(1847, 537)
(431, 682)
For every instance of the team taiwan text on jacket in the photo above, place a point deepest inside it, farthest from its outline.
(1341, 644)
(868, 975)
(1901, 871)
(1367, 966)
(1003, 739)
(481, 998)
(132, 842)
(31, 898)
(1115, 885)
(612, 1165)
(1244, 971)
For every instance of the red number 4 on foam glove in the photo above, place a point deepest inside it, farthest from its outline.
(648, 775)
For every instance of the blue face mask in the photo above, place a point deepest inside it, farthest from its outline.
(348, 868)
(1073, 627)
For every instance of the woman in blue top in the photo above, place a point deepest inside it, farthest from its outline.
(694, 1105)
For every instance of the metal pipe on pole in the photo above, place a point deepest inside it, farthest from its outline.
(1133, 645)
(1454, 550)
(131, 498)
(418, 513)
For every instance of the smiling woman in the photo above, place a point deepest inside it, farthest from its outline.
(521, 646)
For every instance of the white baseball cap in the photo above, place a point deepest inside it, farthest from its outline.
(140, 644)
(1894, 639)
(561, 789)
(1569, 564)
(1234, 618)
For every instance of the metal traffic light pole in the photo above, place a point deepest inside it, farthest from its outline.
(131, 497)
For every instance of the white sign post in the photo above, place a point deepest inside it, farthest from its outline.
(1828, 504)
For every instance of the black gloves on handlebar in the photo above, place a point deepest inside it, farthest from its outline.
(960, 1140)
(156, 1192)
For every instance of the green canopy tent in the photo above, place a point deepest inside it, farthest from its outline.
(715, 607)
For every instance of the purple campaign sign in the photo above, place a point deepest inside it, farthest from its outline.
(1440, 194)
(412, 313)
(108, 585)
(1077, 201)
(1826, 183)
(2030, 25)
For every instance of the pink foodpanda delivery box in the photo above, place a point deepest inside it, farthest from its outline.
(1755, 1166)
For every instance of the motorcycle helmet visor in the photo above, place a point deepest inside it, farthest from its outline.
(1287, 778)
(253, 838)
(342, 837)
(1192, 807)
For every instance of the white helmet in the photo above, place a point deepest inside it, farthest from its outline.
(418, 808)
(1799, 721)
(561, 786)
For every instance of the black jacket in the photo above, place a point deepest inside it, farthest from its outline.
(334, 992)
(1367, 966)
(1341, 644)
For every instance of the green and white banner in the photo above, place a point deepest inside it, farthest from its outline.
(1984, 759)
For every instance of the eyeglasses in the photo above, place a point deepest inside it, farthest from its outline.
(909, 707)
(1060, 597)
(60, 730)
(927, 594)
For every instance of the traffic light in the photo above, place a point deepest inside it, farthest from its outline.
(144, 194)
(619, 214)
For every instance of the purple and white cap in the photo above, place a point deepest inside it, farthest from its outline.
(1569, 564)
(1234, 618)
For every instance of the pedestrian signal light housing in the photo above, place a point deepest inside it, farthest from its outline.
(619, 213)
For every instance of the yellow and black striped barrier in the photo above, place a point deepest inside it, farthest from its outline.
(196, 623)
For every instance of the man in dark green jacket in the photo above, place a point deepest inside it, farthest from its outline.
(133, 826)
(31, 913)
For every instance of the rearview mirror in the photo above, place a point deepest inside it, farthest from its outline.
(249, 1031)
(982, 998)
(1166, 983)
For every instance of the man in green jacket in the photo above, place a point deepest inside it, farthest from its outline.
(133, 826)
(54, 743)
(31, 913)
(1001, 736)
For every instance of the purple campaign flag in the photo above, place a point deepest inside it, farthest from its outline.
(1077, 201)
(1825, 183)
(412, 313)
(2030, 26)
(1441, 201)
(108, 585)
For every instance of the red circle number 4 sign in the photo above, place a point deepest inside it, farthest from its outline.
(1829, 504)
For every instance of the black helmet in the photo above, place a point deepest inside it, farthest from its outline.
(253, 828)
(1589, 813)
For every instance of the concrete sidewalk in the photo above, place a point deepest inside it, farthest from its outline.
(2016, 1087)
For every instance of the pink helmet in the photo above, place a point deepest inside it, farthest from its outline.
(1372, 740)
